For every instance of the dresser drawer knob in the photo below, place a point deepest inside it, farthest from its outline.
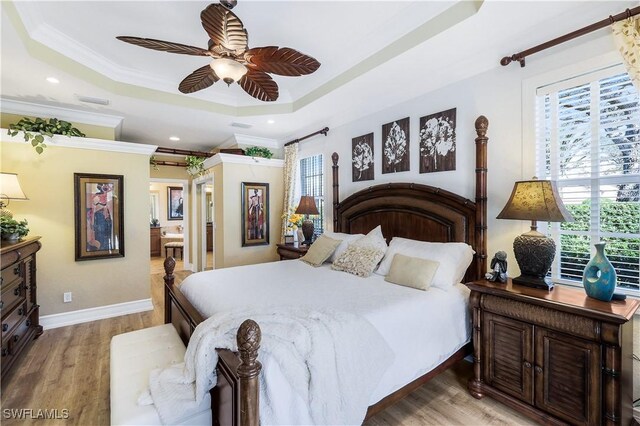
(16, 338)
(1, 304)
(538, 369)
(20, 311)
(527, 364)
(5, 327)
(16, 291)
(5, 352)
(28, 323)
(16, 270)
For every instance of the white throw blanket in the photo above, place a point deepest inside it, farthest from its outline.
(319, 353)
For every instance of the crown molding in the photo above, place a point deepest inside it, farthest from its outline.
(85, 143)
(241, 159)
(256, 141)
(12, 106)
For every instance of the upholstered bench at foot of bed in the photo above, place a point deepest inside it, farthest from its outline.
(133, 356)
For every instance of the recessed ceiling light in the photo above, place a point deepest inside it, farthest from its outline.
(174, 138)
(53, 80)
(271, 121)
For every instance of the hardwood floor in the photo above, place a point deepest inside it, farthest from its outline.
(68, 369)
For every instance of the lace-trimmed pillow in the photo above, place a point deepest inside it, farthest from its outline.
(359, 260)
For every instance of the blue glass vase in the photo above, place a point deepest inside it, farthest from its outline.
(599, 277)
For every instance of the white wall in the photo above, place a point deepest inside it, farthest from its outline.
(163, 191)
(497, 94)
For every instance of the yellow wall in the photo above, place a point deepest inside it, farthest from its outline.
(169, 172)
(97, 132)
(233, 176)
(218, 214)
(48, 181)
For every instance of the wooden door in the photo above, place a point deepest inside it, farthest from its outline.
(567, 377)
(508, 356)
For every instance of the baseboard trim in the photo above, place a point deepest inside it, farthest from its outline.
(92, 314)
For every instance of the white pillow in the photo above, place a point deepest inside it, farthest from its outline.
(454, 259)
(345, 239)
(373, 239)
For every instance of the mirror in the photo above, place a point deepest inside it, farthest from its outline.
(154, 209)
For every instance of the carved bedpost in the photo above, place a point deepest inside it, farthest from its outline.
(481, 196)
(169, 266)
(248, 337)
(336, 188)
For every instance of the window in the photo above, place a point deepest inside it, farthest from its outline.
(588, 140)
(312, 183)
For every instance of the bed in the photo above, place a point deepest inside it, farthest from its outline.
(414, 211)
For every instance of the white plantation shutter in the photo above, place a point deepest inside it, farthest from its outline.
(588, 140)
(312, 183)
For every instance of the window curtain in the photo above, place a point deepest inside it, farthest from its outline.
(290, 169)
(626, 34)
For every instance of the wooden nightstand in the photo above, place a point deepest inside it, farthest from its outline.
(291, 251)
(557, 356)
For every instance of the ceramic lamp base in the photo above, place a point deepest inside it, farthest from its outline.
(307, 231)
(534, 253)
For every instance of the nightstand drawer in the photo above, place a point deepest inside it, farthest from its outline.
(291, 251)
(13, 318)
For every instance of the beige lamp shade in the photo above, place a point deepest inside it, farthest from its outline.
(535, 200)
(307, 205)
(10, 187)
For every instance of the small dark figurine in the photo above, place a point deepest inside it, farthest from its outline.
(498, 268)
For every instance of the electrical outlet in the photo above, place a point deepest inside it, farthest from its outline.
(67, 297)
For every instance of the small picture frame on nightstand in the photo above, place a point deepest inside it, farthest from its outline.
(288, 239)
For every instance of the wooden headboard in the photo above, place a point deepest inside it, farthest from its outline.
(421, 212)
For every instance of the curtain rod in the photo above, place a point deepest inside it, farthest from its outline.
(570, 36)
(323, 132)
(163, 150)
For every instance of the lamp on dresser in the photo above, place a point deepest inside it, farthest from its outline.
(9, 190)
(535, 200)
(306, 207)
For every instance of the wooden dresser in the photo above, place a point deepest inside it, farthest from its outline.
(559, 357)
(156, 248)
(19, 306)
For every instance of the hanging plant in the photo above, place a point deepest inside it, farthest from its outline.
(35, 130)
(195, 165)
(154, 163)
(258, 151)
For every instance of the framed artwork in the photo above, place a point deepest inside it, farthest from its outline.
(99, 216)
(362, 158)
(255, 214)
(395, 146)
(175, 208)
(438, 142)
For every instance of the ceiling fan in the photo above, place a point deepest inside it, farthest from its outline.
(233, 61)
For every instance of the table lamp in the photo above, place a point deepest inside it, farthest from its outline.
(535, 200)
(9, 190)
(306, 207)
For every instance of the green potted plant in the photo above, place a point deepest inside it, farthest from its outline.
(258, 151)
(11, 229)
(35, 130)
(195, 165)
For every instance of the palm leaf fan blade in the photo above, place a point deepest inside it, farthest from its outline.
(259, 85)
(224, 28)
(281, 60)
(199, 79)
(164, 46)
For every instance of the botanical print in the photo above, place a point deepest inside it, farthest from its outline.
(175, 206)
(438, 142)
(362, 158)
(98, 216)
(395, 138)
(255, 214)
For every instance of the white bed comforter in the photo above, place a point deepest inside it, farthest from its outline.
(318, 350)
(422, 328)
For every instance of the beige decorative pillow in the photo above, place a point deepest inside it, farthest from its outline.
(412, 271)
(357, 260)
(320, 250)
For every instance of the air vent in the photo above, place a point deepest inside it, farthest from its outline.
(90, 100)
(241, 125)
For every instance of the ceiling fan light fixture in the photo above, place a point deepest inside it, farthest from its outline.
(228, 70)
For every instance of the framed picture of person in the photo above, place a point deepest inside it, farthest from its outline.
(255, 214)
(175, 207)
(99, 216)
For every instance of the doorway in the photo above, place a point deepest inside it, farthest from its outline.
(204, 235)
(169, 223)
